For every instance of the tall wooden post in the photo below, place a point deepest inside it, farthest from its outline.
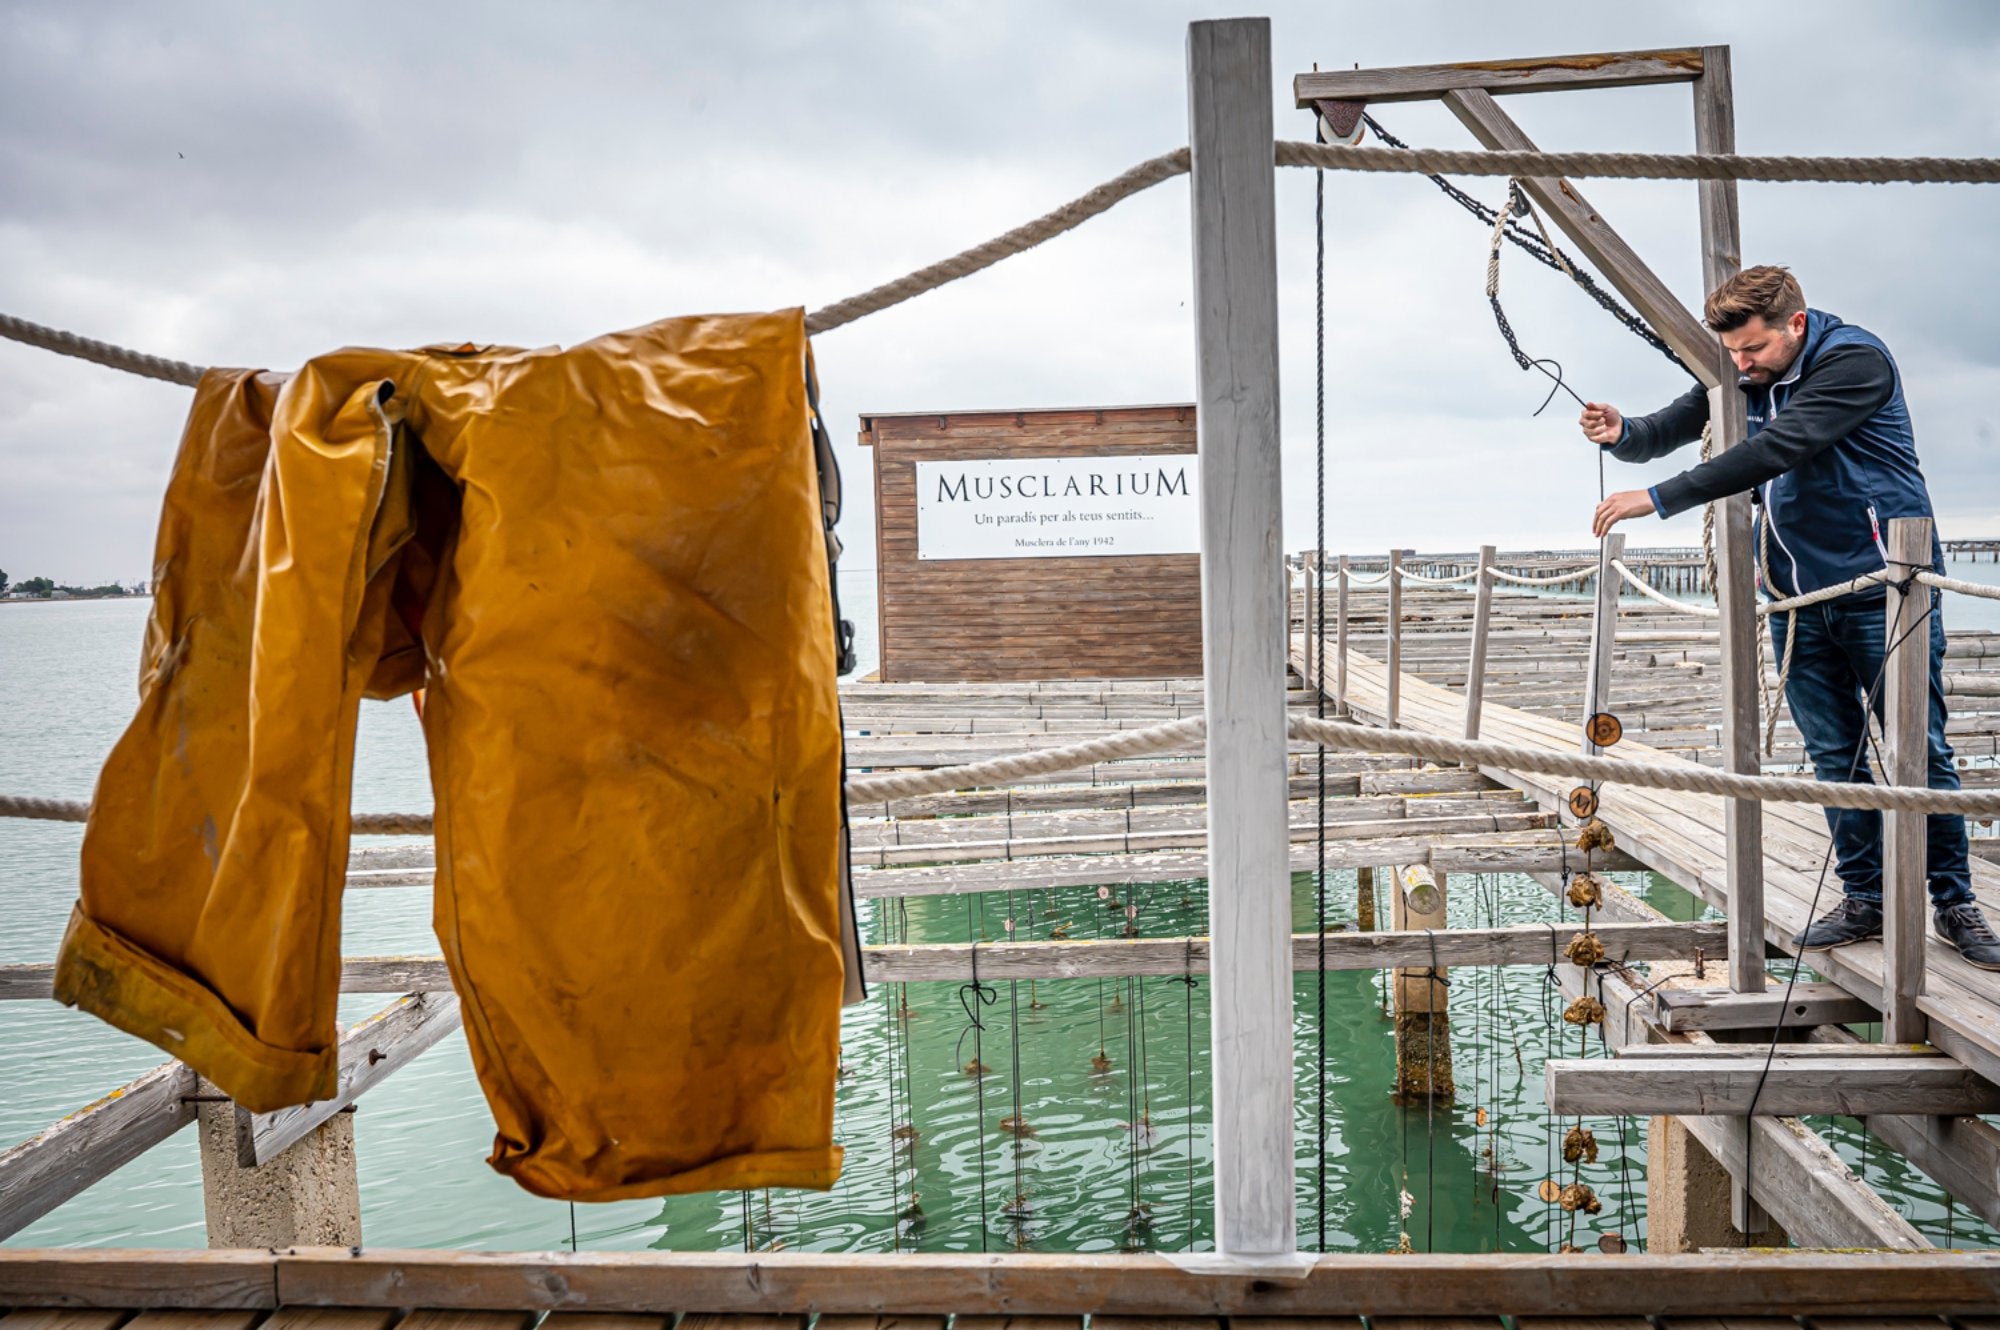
(1393, 626)
(1243, 626)
(1482, 624)
(1603, 633)
(1340, 641)
(1736, 589)
(1906, 725)
(1735, 557)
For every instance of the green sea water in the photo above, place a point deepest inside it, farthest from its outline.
(1111, 1079)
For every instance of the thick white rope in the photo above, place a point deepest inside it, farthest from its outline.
(1645, 588)
(1582, 574)
(1660, 776)
(99, 353)
(1042, 762)
(1420, 580)
(1978, 589)
(1182, 734)
(1354, 579)
(1644, 165)
(1825, 593)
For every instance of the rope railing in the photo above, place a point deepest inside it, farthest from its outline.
(1579, 574)
(1645, 588)
(1182, 734)
(1454, 582)
(1154, 170)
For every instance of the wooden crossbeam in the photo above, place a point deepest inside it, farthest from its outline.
(390, 1033)
(1551, 73)
(1720, 1009)
(1702, 1085)
(1028, 1284)
(369, 1054)
(90, 1144)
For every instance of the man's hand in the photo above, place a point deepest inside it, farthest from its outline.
(1624, 504)
(1602, 424)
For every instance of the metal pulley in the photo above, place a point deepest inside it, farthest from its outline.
(1583, 801)
(1603, 729)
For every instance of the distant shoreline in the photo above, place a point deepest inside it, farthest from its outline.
(66, 600)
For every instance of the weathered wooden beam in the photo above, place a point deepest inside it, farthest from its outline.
(1554, 73)
(1961, 1154)
(1395, 645)
(90, 1144)
(1482, 629)
(1601, 245)
(1706, 1086)
(1906, 735)
(1245, 626)
(1707, 1284)
(369, 1053)
(1680, 1009)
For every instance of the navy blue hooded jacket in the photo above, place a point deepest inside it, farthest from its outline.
(1831, 455)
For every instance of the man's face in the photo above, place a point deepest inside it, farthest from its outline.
(1762, 351)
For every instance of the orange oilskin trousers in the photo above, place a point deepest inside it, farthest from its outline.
(606, 567)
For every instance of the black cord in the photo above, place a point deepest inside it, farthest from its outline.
(972, 996)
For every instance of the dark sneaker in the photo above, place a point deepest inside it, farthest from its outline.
(1965, 928)
(1849, 921)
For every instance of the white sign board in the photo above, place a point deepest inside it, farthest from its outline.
(1058, 507)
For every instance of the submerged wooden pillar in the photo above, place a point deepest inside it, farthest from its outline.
(1364, 899)
(1423, 1028)
(309, 1196)
(1244, 631)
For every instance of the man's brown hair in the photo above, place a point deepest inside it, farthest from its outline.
(1766, 292)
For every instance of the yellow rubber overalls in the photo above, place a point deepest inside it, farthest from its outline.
(606, 567)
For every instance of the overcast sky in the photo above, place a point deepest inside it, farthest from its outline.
(254, 184)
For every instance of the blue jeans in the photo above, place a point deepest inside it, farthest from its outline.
(1836, 663)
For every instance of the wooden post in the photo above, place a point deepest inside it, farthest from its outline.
(1482, 624)
(1603, 633)
(1423, 1032)
(1243, 645)
(1736, 590)
(1735, 558)
(1906, 727)
(1340, 641)
(1393, 626)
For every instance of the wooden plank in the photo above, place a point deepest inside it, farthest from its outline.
(194, 1319)
(1707, 1086)
(1799, 1283)
(887, 1321)
(1556, 73)
(1905, 732)
(90, 1144)
(1809, 1004)
(1482, 628)
(1244, 627)
(369, 1054)
(983, 1322)
(52, 1318)
(119, 1278)
(743, 1321)
(1591, 1323)
(1601, 245)
(1516, 944)
(375, 1318)
(430, 1318)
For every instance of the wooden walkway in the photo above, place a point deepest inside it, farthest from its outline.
(1680, 835)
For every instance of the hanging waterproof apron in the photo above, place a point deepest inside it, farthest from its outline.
(606, 567)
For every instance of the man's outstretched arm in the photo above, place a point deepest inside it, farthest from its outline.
(1848, 385)
(1643, 438)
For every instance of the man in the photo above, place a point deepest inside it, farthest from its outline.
(1831, 455)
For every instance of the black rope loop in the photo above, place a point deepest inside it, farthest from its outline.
(971, 996)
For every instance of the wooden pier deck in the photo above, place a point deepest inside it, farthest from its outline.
(1680, 835)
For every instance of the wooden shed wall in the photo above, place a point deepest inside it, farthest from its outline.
(1054, 618)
